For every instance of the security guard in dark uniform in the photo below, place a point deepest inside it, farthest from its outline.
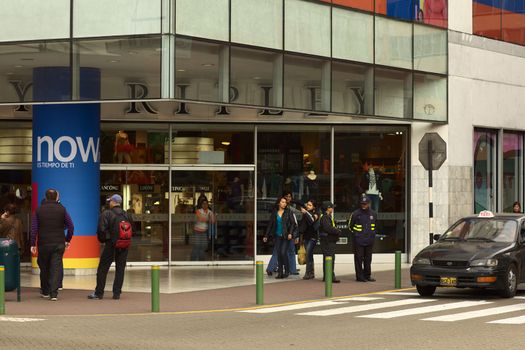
(328, 235)
(363, 226)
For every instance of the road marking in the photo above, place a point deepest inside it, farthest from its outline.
(359, 308)
(513, 320)
(426, 309)
(400, 293)
(307, 305)
(478, 313)
(20, 319)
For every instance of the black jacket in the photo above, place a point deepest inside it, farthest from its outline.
(51, 218)
(327, 230)
(288, 223)
(309, 225)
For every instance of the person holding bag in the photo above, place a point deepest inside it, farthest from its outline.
(283, 229)
(204, 220)
(308, 227)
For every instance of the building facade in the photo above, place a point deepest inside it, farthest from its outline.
(237, 101)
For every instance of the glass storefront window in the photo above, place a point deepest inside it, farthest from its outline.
(352, 35)
(224, 230)
(430, 97)
(486, 18)
(129, 67)
(307, 27)
(18, 65)
(202, 71)
(393, 93)
(256, 77)
(393, 43)
(512, 168)
(430, 49)
(375, 165)
(352, 88)
(485, 166)
(15, 145)
(211, 144)
(34, 20)
(290, 158)
(258, 23)
(93, 18)
(133, 144)
(306, 83)
(145, 196)
(203, 18)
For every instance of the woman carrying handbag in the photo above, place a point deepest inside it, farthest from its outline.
(308, 228)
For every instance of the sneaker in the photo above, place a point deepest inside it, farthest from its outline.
(54, 299)
(44, 296)
(60, 288)
(94, 296)
(116, 296)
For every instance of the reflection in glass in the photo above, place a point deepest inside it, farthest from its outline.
(393, 94)
(291, 160)
(512, 168)
(144, 195)
(430, 49)
(224, 230)
(352, 35)
(17, 66)
(393, 43)
(129, 67)
(485, 159)
(133, 145)
(352, 88)
(306, 83)
(433, 12)
(307, 27)
(430, 97)
(375, 165)
(367, 5)
(202, 71)
(256, 77)
(512, 21)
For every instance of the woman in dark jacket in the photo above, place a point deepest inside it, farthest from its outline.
(308, 228)
(281, 228)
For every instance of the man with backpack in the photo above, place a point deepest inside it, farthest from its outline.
(114, 231)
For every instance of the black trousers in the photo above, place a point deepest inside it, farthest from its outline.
(363, 261)
(110, 253)
(281, 244)
(328, 248)
(50, 263)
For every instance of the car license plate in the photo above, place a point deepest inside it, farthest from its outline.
(449, 281)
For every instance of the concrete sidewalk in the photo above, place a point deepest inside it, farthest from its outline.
(234, 288)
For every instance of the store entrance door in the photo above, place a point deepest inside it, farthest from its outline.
(212, 216)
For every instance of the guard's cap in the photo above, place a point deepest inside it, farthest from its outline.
(327, 204)
(364, 199)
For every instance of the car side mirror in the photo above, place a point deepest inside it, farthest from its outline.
(436, 237)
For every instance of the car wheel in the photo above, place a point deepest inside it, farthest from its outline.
(425, 291)
(511, 283)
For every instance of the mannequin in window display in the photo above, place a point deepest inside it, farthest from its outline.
(311, 185)
(371, 185)
(122, 147)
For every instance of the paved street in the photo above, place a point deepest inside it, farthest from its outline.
(454, 319)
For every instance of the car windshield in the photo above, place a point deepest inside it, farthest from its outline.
(483, 229)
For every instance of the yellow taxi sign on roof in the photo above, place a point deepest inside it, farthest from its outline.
(485, 214)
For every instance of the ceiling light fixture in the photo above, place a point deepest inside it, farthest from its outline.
(18, 66)
(181, 70)
(225, 143)
(207, 64)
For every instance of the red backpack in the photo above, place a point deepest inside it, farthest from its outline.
(124, 231)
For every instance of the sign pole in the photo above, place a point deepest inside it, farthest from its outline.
(430, 200)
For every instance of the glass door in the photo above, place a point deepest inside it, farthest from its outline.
(212, 216)
(485, 165)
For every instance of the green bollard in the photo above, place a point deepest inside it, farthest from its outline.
(2, 290)
(155, 288)
(397, 283)
(328, 277)
(259, 281)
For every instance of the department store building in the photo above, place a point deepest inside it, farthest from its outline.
(169, 101)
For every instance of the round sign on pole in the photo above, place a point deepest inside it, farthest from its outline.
(437, 147)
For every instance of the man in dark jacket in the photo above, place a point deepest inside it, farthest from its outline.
(363, 226)
(107, 234)
(47, 227)
(329, 235)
